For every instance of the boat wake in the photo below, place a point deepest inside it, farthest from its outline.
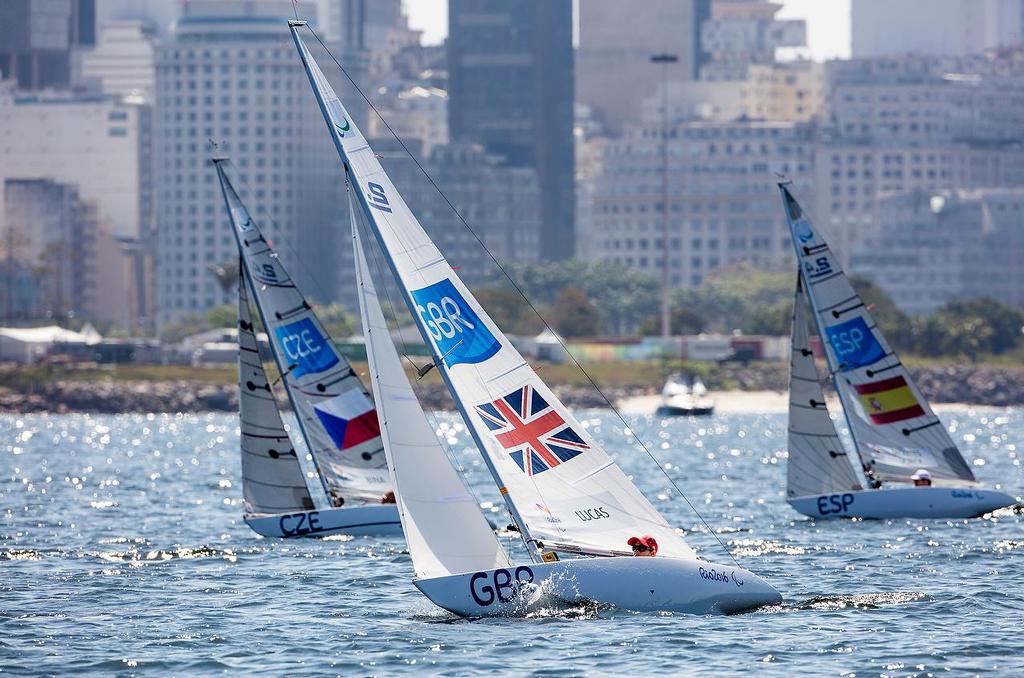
(858, 601)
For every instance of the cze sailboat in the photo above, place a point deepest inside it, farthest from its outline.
(565, 494)
(335, 414)
(897, 437)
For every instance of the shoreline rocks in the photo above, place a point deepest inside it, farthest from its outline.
(977, 385)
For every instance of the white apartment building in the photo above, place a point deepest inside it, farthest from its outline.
(122, 62)
(722, 198)
(99, 144)
(232, 75)
(943, 246)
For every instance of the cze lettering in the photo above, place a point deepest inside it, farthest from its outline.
(304, 347)
(834, 503)
(593, 514)
(297, 524)
(501, 585)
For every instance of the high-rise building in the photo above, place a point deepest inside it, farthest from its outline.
(122, 64)
(158, 14)
(614, 73)
(741, 33)
(38, 39)
(947, 245)
(99, 144)
(51, 234)
(722, 202)
(232, 75)
(500, 202)
(511, 90)
(914, 123)
(933, 27)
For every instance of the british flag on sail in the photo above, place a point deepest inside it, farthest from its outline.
(531, 431)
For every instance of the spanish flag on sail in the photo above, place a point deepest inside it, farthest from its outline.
(889, 400)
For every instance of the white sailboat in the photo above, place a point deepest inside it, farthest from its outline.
(336, 417)
(565, 494)
(685, 396)
(895, 433)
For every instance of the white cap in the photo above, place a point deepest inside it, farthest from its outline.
(921, 474)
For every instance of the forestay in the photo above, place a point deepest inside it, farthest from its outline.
(893, 426)
(562, 486)
(334, 411)
(272, 478)
(444, 528)
(817, 463)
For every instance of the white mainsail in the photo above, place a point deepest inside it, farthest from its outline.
(272, 478)
(334, 410)
(892, 425)
(444, 528)
(561, 486)
(817, 463)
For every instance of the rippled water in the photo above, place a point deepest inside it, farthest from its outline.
(122, 550)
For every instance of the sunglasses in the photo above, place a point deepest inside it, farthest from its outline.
(641, 547)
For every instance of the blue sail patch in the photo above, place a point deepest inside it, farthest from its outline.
(458, 333)
(854, 344)
(303, 346)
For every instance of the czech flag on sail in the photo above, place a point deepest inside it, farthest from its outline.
(531, 431)
(889, 400)
(349, 419)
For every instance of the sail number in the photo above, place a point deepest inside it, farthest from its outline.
(500, 584)
(444, 319)
(847, 342)
(298, 524)
(378, 200)
(835, 503)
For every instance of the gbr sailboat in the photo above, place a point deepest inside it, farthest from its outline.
(895, 433)
(336, 417)
(576, 511)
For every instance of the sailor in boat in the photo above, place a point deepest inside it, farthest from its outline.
(388, 498)
(922, 478)
(336, 499)
(643, 546)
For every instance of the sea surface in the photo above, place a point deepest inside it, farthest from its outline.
(123, 552)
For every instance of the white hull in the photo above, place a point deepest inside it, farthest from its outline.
(375, 520)
(628, 583)
(904, 502)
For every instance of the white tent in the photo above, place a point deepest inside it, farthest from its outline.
(28, 344)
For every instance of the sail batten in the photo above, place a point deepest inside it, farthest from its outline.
(541, 457)
(817, 462)
(893, 427)
(335, 412)
(272, 479)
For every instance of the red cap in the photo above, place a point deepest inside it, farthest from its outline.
(645, 540)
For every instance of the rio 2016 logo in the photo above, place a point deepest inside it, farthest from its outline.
(457, 331)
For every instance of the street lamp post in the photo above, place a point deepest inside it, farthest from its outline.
(666, 307)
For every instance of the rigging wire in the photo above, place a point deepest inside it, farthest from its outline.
(521, 293)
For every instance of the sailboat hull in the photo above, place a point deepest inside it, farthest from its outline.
(627, 583)
(375, 520)
(904, 502)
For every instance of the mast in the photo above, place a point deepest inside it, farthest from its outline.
(524, 530)
(281, 365)
(833, 366)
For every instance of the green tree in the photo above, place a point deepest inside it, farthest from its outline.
(896, 325)
(225, 315)
(1002, 323)
(338, 322)
(184, 325)
(509, 311)
(574, 314)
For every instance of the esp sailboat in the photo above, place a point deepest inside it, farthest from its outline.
(336, 417)
(565, 494)
(897, 437)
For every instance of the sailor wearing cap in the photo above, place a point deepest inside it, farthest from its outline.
(921, 478)
(643, 546)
